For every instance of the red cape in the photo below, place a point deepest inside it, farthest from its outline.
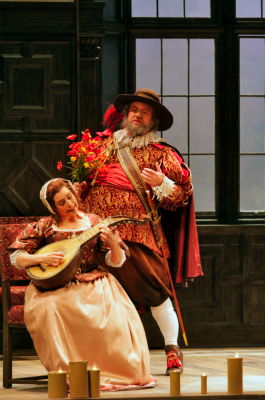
(181, 233)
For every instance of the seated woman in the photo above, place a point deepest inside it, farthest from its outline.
(91, 318)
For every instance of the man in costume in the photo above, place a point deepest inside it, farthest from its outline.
(143, 175)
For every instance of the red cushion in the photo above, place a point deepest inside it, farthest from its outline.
(17, 294)
(18, 220)
(16, 315)
(9, 229)
(8, 234)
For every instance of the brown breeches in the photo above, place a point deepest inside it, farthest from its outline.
(143, 276)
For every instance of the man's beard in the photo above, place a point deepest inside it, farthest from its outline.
(138, 130)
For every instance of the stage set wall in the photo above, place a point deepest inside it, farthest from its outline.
(61, 63)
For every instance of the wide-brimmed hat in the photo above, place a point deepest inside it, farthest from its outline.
(150, 97)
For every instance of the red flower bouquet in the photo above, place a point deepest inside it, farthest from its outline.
(86, 157)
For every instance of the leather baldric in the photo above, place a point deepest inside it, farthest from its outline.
(133, 172)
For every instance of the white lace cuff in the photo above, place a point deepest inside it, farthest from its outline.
(165, 189)
(14, 255)
(108, 260)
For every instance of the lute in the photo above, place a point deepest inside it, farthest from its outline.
(49, 277)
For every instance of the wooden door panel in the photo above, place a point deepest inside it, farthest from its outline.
(38, 112)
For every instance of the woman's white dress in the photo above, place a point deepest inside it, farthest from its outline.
(92, 319)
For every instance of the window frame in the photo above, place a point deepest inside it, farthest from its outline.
(225, 29)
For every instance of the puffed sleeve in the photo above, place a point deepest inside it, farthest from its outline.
(32, 237)
(176, 187)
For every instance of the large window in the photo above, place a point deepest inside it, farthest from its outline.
(252, 123)
(183, 74)
(213, 81)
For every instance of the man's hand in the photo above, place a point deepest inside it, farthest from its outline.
(152, 177)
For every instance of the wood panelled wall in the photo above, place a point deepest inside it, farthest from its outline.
(226, 306)
(50, 87)
(59, 67)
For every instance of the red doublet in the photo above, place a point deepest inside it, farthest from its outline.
(113, 194)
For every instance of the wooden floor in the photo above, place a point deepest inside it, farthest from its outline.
(212, 362)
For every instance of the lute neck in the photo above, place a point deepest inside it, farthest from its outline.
(89, 234)
(95, 230)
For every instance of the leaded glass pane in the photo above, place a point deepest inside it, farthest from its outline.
(175, 66)
(202, 125)
(252, 183)
(170, 8)
(148, 64)
(252, 125)
(177, 135)
(191, 102)
(143, 8)
(252, 66)
(202, 67)
(197, 8)
(248, 8)
(203, 168)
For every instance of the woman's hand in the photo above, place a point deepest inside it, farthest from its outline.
(112, 238)
(152, 177)
(109, 236)
(51, 259)
(25, 260)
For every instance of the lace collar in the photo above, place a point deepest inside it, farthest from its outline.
(136, 142)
